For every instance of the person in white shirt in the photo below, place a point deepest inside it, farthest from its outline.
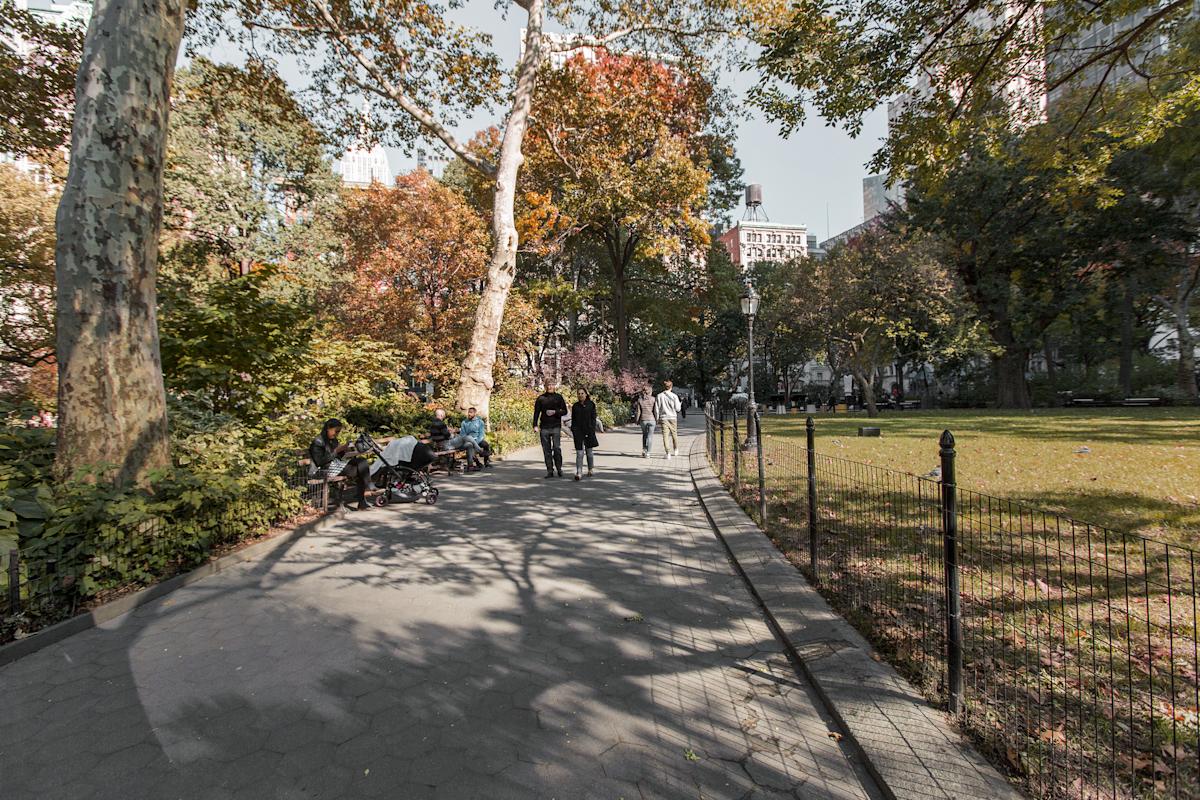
(666, 411)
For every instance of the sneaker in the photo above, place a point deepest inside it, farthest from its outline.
(675, 453)
(645, 454)
(362, 507)
(669, 456)
(560, 473)
(589, 472)
(549, 475)
(578, 476)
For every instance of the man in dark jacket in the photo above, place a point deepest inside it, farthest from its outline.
(548, 412)
(325, 458)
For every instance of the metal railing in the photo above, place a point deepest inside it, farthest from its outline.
(37, 589)
(1068, 650)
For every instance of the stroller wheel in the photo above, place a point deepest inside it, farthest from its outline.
(381, 500)
(431, 497)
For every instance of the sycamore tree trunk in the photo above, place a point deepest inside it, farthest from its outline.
(866, 382)
(111, 402)
(1180, 306)
(476, 381)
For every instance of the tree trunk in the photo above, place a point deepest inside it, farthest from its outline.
(111, 402)
(620, 315)
(1125, 356)
(476, 382)
(1186, 366)
(1051, 367)
(1012, 388)
(867, 386)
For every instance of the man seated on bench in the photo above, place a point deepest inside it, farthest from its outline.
(473, 428)
(444, 439)
(325, 457)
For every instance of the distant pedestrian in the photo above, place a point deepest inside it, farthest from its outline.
(643, 414)
(548, 412)
(666, 412)
(585, 424)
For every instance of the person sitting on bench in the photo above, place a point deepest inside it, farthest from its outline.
(443, 438)
(473, 428)
(325, 458)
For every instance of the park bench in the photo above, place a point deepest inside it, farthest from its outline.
(910, 405)
(448, 459)
(1083, 401)
(337, 482)
(1142, 401)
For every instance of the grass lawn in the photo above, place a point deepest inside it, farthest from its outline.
(1081, 649)
(1141, 473)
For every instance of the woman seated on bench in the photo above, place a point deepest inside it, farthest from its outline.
(443, 438)
(325, 458)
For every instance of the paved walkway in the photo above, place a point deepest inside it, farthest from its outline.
(524, 638)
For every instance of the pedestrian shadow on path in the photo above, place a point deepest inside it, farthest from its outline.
(523, 638)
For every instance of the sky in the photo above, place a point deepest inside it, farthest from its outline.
(813, 178)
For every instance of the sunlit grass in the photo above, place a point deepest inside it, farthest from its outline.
(1140, 472)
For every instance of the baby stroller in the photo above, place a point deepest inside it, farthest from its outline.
(403, 481)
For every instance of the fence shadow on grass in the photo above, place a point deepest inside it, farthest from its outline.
(1079, 648)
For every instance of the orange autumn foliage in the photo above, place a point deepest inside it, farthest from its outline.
(415, 255)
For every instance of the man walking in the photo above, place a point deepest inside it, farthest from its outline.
(666, 411)
(548, 412)
(643, 414)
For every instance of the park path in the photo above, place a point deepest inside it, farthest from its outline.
(524, 638)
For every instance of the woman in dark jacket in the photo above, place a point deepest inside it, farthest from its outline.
(584, 427)
(325, 458)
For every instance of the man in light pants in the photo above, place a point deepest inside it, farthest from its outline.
(666, 411)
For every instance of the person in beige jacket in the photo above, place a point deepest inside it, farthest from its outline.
(666, 411)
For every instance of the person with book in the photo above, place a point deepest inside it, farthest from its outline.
(328, 457)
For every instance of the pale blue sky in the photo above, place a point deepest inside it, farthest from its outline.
(813, 178)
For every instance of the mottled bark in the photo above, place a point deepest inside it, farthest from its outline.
(476, 382)
(866, 383)
(112, 407)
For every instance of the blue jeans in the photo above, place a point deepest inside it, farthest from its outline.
(647, 436)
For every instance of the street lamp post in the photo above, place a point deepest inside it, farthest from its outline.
(750, 309)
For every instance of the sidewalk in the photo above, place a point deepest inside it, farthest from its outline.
(523, 638)
(911, 748)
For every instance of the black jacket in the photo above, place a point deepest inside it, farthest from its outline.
(552, 401)
(583, 425)
(438, 431)
(321, 452)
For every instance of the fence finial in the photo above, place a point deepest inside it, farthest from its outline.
(809, 424)
(947, 441)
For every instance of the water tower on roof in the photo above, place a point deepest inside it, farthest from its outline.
(754, 201)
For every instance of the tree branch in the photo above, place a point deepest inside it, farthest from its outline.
(425, 119)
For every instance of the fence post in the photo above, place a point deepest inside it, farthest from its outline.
(762, 480)
(954, 653)
(721, 430)
(737, 458)
(809, 430)
(14, 581)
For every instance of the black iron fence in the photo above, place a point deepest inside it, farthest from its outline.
(49, 578)
(1068, 650)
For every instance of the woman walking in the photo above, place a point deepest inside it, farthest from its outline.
(584, 427)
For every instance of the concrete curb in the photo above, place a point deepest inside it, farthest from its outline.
(911, 748)
(123, 605)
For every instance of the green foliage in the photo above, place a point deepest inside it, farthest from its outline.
(231, 345)
(37, 95)
(247, 178)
